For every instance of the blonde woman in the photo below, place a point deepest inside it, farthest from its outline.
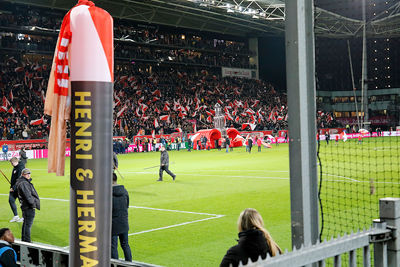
(254, 241)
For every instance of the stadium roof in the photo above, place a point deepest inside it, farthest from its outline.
(245, 18)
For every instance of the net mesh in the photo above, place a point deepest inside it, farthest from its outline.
(360, 167)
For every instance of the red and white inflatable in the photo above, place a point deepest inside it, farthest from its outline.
(211, 134)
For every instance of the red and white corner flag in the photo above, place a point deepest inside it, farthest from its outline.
(70, 58)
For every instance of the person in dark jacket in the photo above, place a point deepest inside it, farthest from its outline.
(227, 143)
(250, 144)
(5, 151)
(120, 225)
(254, 241)
(115, 161)
(8, 256)
(164, 163)
(22, 156)
(30, 201)
(18, 166)
(189, 142)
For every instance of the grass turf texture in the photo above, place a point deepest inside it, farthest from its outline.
(350, 171)
(217, 183)
(212, 182)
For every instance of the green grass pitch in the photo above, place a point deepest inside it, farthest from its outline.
(189, 222)
(192, 221)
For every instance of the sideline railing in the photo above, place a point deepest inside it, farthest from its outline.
(43, 255)
(384, 237)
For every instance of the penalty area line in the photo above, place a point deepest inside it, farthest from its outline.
(139, 207)
(175, 225)
(221, 175)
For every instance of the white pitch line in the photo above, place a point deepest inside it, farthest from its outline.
(179, 211)
(195, 171)
(222, 175)
(55, 199)
(366, 182)
(206, 170)
(215, 216)
(340, 176)
(139, 207)
(175, 225)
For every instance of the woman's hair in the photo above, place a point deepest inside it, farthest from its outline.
(251, 219)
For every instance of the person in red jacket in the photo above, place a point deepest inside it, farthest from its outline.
(259, 143)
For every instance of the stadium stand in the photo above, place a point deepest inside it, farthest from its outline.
(152, 91)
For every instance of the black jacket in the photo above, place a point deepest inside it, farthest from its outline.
(8, 256)
(27, 194)
(115, 161)
(164, 158)
(120, 205)
(23, 157)
(227, 141)
(252, 244)
(16, 173)
(250, 142)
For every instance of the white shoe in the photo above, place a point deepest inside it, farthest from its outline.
(15, 218)
(20, 220)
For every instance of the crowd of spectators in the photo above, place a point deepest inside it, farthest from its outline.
(148, 97)
(23, 85)
(132, 42)
(187, 101)
(146, 93)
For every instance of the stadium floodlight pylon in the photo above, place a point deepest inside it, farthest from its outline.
(82, 81)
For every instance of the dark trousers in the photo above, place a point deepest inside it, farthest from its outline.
(165, 168)
(250, 149)
(259, 148)
(11, 199)
(29, 215)
(123, 240)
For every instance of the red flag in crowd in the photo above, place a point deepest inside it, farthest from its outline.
(11, 110)
(166, 107)
(156, 125)
(37, 122)
(256, 102)
(228, 116)
(3, 109)
(5, 102)
(209, 119)
(118, 122)
(121, 112)
(143, 107)
(11, 96)
(157, 93)
(164, 118)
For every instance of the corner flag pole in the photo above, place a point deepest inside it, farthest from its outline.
(91, 75)
(5, 176)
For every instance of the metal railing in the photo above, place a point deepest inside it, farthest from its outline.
(43, 255)
(383, 236)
